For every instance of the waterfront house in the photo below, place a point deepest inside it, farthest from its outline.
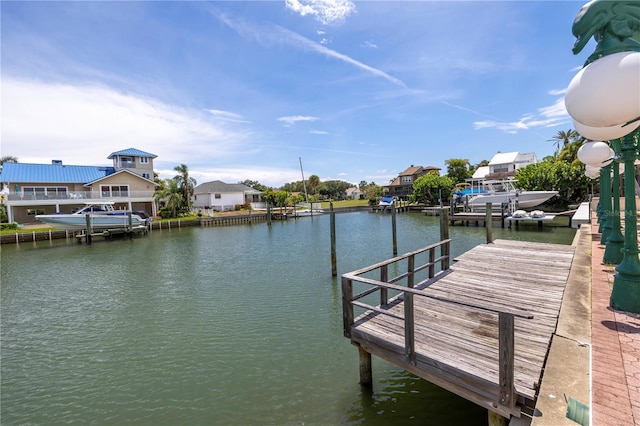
(402, 186)
(353, 193)
(31, 189)
(503, 165)
(220, 196)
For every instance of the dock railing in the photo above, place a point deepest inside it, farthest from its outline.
(406, 293)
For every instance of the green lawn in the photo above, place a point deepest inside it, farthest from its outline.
(345, 203)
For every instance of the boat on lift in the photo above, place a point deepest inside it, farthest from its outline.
(504, 192)
(102, 216)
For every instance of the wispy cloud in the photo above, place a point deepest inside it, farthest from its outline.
(275, 34)
(227, 116)
(293, 119)
(318, 132)
(550, 116)
(324, 11)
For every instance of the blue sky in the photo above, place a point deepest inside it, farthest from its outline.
(240, 90)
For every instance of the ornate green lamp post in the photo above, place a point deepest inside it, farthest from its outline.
(604, 95)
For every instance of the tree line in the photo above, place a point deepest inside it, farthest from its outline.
(561, 172)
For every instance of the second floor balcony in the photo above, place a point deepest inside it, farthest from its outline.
(81, 196)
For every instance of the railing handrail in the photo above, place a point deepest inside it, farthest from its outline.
(506, 339)
(398, 258)
(518, 313)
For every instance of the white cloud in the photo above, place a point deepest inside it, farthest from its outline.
(369, 45)
(83, 124)
(293, 119)
(325, 11)
(318, 132)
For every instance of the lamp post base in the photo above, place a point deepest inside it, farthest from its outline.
(626, 283)
(626, 293)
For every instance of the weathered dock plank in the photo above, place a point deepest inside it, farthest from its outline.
(455, 340)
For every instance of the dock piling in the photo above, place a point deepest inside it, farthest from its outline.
(332, 217)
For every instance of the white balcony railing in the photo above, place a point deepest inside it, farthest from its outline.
(81, 195)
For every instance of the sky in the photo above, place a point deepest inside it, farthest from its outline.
(242, 90)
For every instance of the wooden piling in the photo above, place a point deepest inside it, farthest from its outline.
(366, 374)
(393, 229)
(332, 217)
(444, 225)
(88, 230)
(488, 225)
(130, 230)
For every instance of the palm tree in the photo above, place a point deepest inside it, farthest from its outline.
(569, 152)
(186, 184)
(170, 195)
(565, 138)
(314, 182)
(8, 159)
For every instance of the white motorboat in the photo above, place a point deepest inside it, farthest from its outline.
(101, 216)
(504, 192)
(386, 200)
(306, 211)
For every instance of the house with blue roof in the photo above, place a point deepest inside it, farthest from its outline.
(33, 189)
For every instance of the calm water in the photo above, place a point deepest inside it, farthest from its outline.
(239, 325)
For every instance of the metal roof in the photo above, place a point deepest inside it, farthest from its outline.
(131, 152)
(219, 186)
(53, 173)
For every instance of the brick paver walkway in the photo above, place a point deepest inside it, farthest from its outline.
(615, 340)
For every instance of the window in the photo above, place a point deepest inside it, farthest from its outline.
(44, 192)
(218, 196)
(144, 160)
(406, 179)
(33, 212)
(127, 162)
(114, 190)
(146, 175)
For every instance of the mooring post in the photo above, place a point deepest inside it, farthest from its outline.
(332, 217)
(393, 229)
(268, 214)
(488, 222)
(130, 217)
(444, 224)
(366, 375)
(88, 231)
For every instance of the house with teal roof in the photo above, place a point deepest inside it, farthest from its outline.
(32, 189)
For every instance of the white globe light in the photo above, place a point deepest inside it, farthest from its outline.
(591, 175)
(605, 133)
(605, 93)
(594, 153)
(592, 171)
(591, 168)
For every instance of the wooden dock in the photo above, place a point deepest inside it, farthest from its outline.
(480, 328)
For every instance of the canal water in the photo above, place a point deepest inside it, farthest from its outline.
(238, 325)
